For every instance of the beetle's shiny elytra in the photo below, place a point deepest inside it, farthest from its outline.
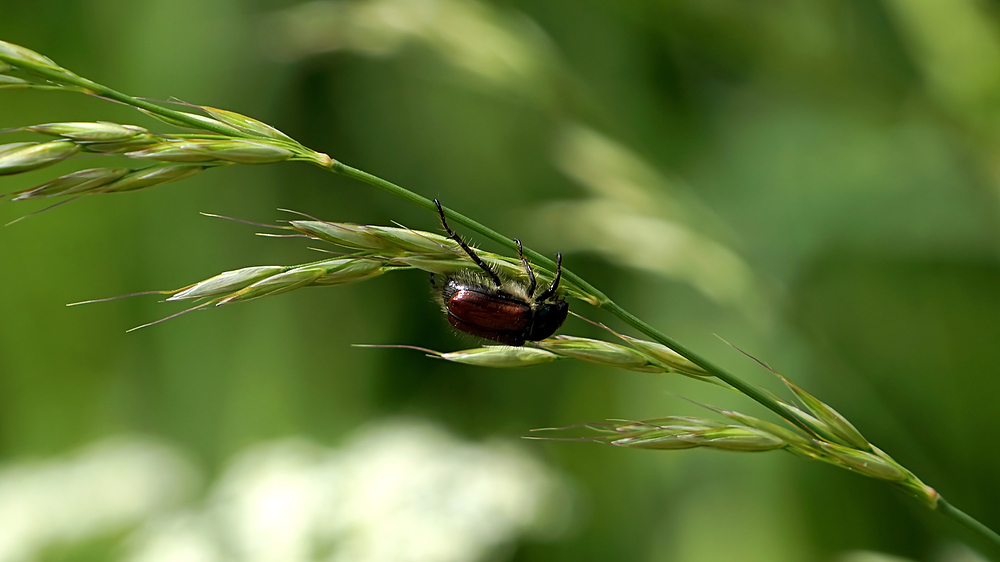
(507, 312)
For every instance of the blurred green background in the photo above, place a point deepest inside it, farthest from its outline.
(816, 182)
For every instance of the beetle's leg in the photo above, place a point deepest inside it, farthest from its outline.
(527, 268)
(472, 254)
(555, 281)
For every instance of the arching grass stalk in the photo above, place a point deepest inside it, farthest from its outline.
(236, 139)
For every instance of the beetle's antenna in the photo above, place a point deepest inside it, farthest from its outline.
(472, 254)
(527, 268)
(555, 281)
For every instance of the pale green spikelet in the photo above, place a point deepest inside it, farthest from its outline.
(153, 175)
(387, 241)
(681, 423)
(23, 157)
(213, 125)
(246, 124)
(227, 282)
(13, 82)
(661, 439)
(340, 271)
(599, 352)
(348, 235)
(14, 147)
(795, 441)
(26, 59)
(236, 151)
(137, 143)
(810, 422)
(832, 419)
(676, 432)
(668, 358)
(276, 284)
(90, 132)
(418, 242)
(735, 438)
(501, 356)
(866, 463)
(74, 183)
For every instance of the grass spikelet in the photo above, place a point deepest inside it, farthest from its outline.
(227, 282)
(666, 357)
(23, 157)
(208, 123)
(236, 151)
(501, 356)
(74, 183)
(13, 82)
(26, 59)
(89, 132)
(866, 463)
(246, 124)
(735, 438)
(154, 175)
(276, 284)
(599, 352)
(836, 423)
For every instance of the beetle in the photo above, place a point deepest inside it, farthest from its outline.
(506, 311)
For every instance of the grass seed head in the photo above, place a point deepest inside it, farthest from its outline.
(23, 157)
(866, 463)
(501, 356)
(735, 438)
(599, 352)
(75, 183)
(677, 423)
(139, 142)
(194, 117)
(348, 235)
(668, 358)
(227, 282)
(815, 425)
(277, 284)
(342, 271)
(660, 439)
(417, 241)
(790, 437)
(246, 124)
(838, 424)
(90, 132)
(12, 82)
(153, 175)
(236, 151)
(18, 56)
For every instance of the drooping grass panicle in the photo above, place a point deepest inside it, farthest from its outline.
(223, 137)
(749, 434)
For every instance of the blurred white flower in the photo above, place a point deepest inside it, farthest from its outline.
(397, 491)
(102, 489)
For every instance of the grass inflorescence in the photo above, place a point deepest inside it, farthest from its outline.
(220, 137)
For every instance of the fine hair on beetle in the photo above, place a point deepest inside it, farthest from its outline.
(508, 311)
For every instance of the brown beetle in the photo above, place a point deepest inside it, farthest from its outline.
(489, 307)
